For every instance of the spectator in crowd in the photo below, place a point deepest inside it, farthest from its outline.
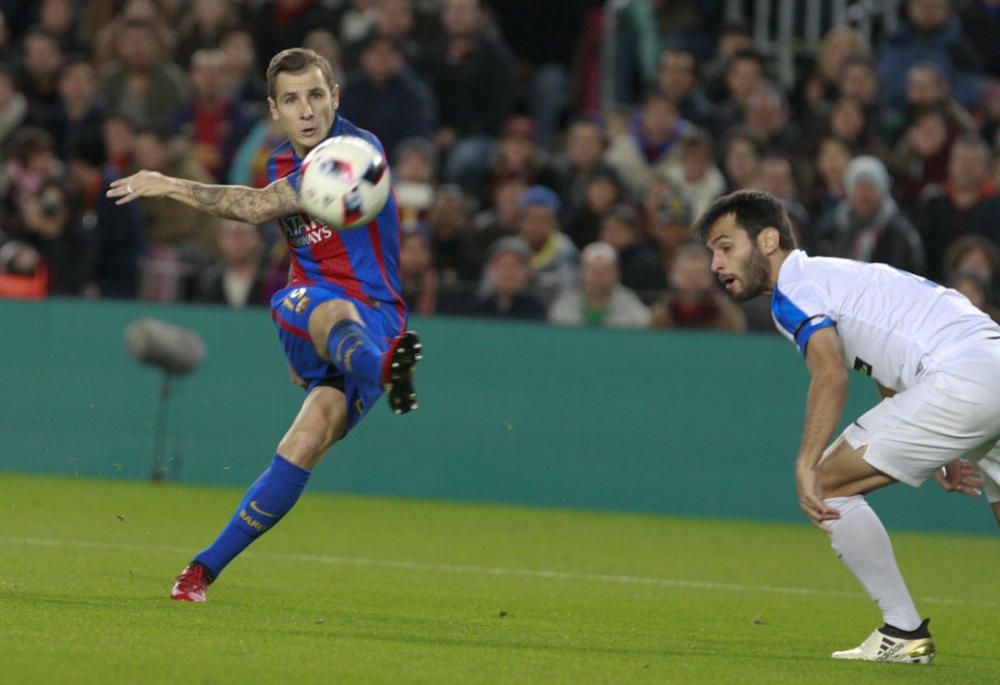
(671, 218)
(78, 111)
(50, 224)
(602, 191)
(981, 25)
(967, 203)
(249, 164)
(202, 28)
(921, 157)
(386, 97)
(284, 23)
(244, 82)
(115, 234)
(586, 143)
(58, 17)
(733, 37)
(821, 83)
(42, 58)
(31, 159)
(107, 34)
(356, 22)
(118, 133)
(237, 279)
(394, 19)
(471, 71)
(650, 146)
(868, 225)
(418, 277)
(824, 174)
(859, 79)
(449, 220)
(693, 299)
(744, 76)
(600, 300)
(766, 115)
(847, 119)
(499, 218)
(327, 46)
(553, 255)
(975, 254)
(518, 153)
(211, 120)
(638, 262)
(932, 33)
(697, 176)
(677, 78)
(974, 287)
(544, 56)
(927, 89)
(741, 155)
(181, 239)
(414, 180)
(140, 82)
(509, 271)
(775, 176)
(13, 105)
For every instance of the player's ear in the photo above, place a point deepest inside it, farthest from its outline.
(272, 107)
(768, 240)
(335, 96)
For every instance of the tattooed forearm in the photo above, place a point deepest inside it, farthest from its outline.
(242, 203)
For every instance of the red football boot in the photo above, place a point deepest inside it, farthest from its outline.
(397, 372)
(191, 584)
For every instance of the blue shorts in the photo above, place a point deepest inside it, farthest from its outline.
(290, 310)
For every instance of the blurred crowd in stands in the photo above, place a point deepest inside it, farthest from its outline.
(520, 195)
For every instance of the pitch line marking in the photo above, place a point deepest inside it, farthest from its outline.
(464, 569)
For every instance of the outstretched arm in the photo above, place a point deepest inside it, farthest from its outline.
(252, 205)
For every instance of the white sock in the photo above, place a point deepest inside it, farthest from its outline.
(859, 539)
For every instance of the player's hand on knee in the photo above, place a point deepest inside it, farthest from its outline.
(811, 499)
(960, 476)
(296, 378)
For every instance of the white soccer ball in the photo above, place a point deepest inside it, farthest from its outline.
(345, 182)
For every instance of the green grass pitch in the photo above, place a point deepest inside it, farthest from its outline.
(371, 590)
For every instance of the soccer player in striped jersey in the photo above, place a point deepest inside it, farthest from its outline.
(341, 320)
(936, 361)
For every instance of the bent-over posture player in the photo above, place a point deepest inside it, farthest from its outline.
(936, 360)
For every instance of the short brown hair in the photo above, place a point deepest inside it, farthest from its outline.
(295, 60)
(753, 211)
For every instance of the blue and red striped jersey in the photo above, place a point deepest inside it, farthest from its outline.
(361, 262)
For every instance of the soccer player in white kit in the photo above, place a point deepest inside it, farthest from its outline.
(936, 360)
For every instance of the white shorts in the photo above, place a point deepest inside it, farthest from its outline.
(954, 411)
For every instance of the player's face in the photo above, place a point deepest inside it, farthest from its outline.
(304, 105)
(737, 262)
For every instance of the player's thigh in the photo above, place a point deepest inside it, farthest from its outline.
(321, 421)
(290, 310)
(843, 471)
(915, 432)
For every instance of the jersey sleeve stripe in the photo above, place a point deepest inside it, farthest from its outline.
(799, 325)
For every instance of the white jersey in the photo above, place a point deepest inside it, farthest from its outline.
(893, 326)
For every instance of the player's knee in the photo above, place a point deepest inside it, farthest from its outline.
(306, 447)
(326, 316)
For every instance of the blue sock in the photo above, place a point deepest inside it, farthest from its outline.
(354, 351)
(271, 496)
